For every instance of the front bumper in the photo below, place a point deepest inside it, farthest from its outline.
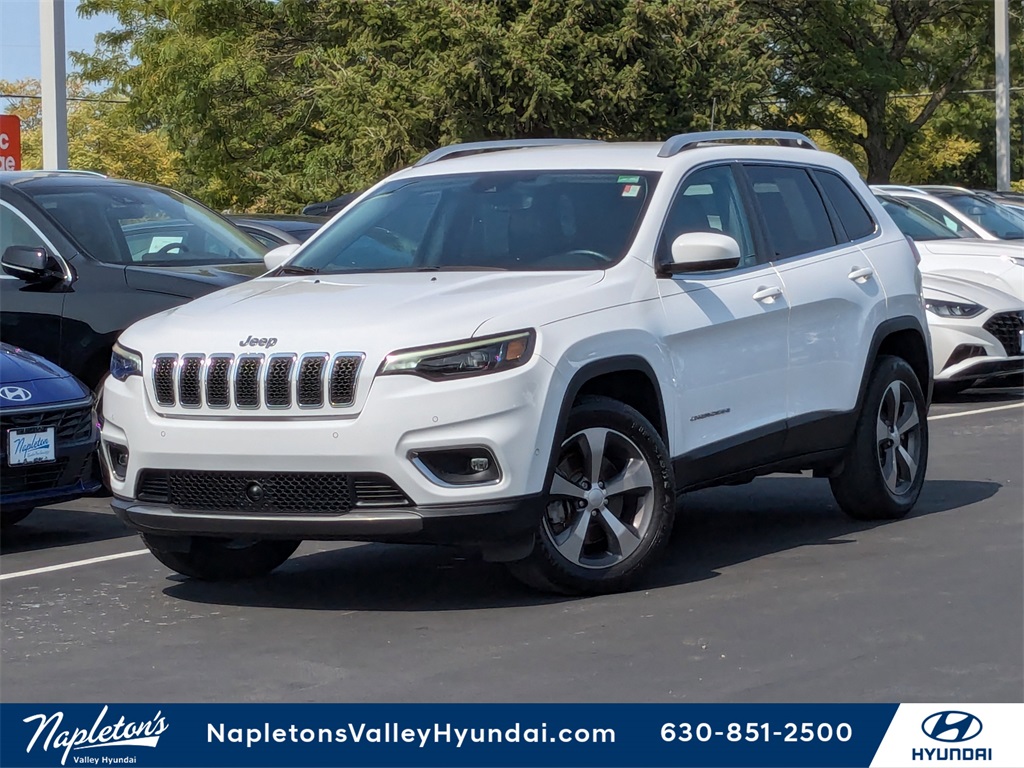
(481, 523)
(976, 368)
(75, 473)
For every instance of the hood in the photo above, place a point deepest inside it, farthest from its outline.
(28, 380)
(987, 294)
(190, 282)
(969, 246)
(371, 313)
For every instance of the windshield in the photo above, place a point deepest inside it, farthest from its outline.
(914, 223)
(522, 221)
(1000, 221)
(129, 224)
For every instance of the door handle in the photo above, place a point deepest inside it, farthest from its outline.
(767, 294)
(861, 274)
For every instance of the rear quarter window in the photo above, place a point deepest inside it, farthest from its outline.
(851, 211)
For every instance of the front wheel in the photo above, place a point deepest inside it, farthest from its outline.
(213, 559)
(610, 506)
(885, 467)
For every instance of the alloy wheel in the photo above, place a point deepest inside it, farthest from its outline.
(898, 435)
(601, 500)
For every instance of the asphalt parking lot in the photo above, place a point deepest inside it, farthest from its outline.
(768, 594)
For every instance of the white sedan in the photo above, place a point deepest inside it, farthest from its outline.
(998, 264)
(977, 331)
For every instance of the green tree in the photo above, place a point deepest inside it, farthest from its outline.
(273, 104)
(102, 136)
(858, 56)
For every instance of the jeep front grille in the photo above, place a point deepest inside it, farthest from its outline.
(1007, 326)
(269, 492)
(252, 381)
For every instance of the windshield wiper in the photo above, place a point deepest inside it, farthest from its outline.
(294, 269)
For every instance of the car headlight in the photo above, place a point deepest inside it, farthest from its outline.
(463, 358)
(952, 308)
(124, 363)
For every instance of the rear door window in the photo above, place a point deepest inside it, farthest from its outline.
(794, 214)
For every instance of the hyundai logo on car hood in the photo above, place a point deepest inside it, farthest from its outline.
(15, 394)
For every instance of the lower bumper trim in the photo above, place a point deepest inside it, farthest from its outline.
(477, 523)
(982, 368)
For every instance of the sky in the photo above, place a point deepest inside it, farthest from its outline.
(19, 36)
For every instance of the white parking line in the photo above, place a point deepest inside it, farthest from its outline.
(980, 410)
(75, 564)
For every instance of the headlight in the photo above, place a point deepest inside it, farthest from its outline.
(463, 358)
(952, 308)
(124, 363)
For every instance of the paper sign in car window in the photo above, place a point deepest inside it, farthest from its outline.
(631, 190)
(163, 242)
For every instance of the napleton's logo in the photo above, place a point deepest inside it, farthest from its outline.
(120, 734)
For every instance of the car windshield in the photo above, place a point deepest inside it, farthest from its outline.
(520, 221)
(131, 224)
(915, 223)
(997, 219)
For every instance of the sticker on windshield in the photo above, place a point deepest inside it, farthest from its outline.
(629, 179)
(631, 190)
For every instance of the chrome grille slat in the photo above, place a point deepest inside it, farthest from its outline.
(218, 391)
(247, 381)
(189, 372)
(310, 380)
(163, 379)
(279, 381)
(344, 371)
(254, 381)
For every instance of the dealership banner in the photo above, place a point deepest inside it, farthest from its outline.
(533, 735)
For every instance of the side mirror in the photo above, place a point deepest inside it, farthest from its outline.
(275, 257)
(33, 265)
(703, 252)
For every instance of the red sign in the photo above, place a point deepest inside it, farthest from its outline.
(10, 143)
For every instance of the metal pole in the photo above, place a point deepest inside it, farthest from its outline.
(54, 84)
(1002, 21)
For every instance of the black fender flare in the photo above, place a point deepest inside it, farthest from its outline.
(591, 371)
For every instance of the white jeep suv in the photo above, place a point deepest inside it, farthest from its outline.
(532, 347)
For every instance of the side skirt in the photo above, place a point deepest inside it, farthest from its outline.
(816, 441)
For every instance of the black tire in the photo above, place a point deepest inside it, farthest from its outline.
(619, 534)
(9, 517)
(212, 559)
(862, 489)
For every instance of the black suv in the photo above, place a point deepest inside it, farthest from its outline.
(85, 256)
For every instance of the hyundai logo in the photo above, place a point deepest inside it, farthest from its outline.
(951, 726)
(15, 394)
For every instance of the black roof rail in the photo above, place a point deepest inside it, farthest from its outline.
(477, 147)
(683, 141)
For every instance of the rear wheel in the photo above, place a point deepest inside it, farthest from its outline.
(214, 559)
(611, 504)
(885, 467)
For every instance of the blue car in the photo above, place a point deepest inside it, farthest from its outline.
(48, 435)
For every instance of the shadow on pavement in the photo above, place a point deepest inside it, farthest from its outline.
(982, 395)
(716, 528)
(49, 527)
